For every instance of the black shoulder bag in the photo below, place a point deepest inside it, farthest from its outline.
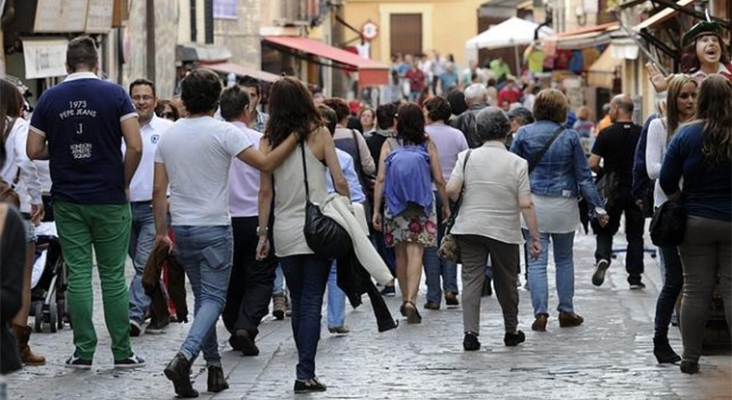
(322, 234)
(449, 249)
(668, 224)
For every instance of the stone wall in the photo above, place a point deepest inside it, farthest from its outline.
(241, 36)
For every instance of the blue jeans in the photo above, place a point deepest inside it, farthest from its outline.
(279, 288)
(306, 277)
(436, 268)
(564, 264)
(206, 253)
(336, 300)
(142, 241)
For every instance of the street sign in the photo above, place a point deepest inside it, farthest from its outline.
(370, 30)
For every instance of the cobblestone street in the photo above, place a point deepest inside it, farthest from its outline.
(609, 357)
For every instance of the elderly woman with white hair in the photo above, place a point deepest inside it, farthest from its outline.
(495, 187)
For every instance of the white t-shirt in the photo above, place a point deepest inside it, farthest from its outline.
(141, 186)
(28, 186)
(244, 180)
(197, 154)
(655, 153)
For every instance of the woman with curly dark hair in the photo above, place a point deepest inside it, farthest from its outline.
(292, 111)
(701, 154)
(409, 165)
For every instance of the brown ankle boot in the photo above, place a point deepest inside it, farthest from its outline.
(22, 333)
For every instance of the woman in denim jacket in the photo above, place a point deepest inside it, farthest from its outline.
(557, 179)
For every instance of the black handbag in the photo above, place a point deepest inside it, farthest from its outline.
(668, 224)
(323, 235)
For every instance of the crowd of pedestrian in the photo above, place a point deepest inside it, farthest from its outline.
(237, 199)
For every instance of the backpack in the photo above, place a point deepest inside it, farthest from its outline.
(408, 177)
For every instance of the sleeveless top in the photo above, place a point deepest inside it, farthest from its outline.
(289, 209)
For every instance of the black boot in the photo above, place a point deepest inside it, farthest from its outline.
(663, 351)
(216, 379)
(179, 371)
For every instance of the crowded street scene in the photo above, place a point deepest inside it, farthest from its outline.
(366, 199)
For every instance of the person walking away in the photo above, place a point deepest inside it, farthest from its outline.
(251, 281)
(292, 110)
(700, 153)
(584, 124)
(680, 109)
(21, 173)
(616, 148)
(409, 164)
(193, 159)
(495, 187)
(559, 174)
(385, 118)
(476, 98)
(80, 125)
(449, 142)
(142, 232)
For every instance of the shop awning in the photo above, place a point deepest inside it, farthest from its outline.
(370, 72)
(662, 15)
(579, 38)
(201, 52)
(601, 72)
(241, 71)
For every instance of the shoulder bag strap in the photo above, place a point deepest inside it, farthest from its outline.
(358, 149)
(305, 171)
(462, 188)
(535, 161)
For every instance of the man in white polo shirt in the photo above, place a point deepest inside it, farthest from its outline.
(142, 234)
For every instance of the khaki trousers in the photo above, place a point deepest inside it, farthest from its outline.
(474, 250)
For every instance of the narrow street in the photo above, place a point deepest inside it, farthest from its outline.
(609, 357)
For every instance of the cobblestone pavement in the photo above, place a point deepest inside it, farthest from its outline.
(609, 357)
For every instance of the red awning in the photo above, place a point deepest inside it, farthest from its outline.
(370, 72)
(241, 70)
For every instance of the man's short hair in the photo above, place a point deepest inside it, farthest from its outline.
(438, 109)
(476, 93)
(81, 52)
(330, 116)
(491, 124)
(551, 105)
(233, 102)
(249, 82)
(200, 91)
(143, 82)
(624, 103)
(340, 106)
(521, 114)
(385, 115)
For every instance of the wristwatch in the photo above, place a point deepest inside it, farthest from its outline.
(262, 232)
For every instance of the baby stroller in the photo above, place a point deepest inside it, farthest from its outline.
(48, 297)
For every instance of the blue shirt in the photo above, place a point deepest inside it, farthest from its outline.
(349, 172)
(708, 188)
(81, 120)
(448, 81)
(408, 178)
(261, 123)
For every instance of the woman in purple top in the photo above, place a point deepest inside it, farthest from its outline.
(449, 142)
(410, 220)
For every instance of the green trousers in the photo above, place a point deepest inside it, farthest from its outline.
(107, 228)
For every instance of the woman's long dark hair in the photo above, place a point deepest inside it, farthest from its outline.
(410, 124)
(714, 109)
(11, 102)
(291, 110)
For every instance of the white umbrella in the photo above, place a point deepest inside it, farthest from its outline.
(512, 32)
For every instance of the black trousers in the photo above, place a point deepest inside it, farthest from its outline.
(251, 281)
(634, 224)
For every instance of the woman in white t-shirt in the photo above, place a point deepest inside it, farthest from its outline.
(680, 108)
(20, 172)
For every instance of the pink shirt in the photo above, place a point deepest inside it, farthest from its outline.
(244, 181)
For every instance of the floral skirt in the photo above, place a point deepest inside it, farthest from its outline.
(410, 226)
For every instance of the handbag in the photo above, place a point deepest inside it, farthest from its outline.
(668, 224)
(449, 249)
(323, 235)
(607, 187)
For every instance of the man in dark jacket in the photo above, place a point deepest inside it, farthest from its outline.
(476, 97)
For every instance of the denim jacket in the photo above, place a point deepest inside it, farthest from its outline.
(563, 171)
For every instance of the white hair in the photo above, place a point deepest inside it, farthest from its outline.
(476, 94)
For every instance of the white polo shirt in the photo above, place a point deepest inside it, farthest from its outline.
(244, 180)
(141, 187)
